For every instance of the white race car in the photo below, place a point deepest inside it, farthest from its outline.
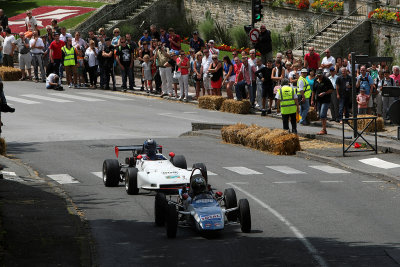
(140, 171)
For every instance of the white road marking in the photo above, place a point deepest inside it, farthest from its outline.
(329, 169)
(373, 181)
(105, 96)
(77, 97)
(285, 169)
(211, 173)
(58, 100)
(21, 100)
(190, 112)
(311, 249)
(179, 117)
(98, 174)
(383, 164)
(285, 182)
(9, 173)
(63, 178)
(242, 170)
(331, 181)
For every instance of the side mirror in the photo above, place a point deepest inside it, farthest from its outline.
(218, 194)
(139, 157)
(171, 154)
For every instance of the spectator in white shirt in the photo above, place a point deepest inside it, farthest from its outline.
(64, 35)
(78, 42)
(91, 54)
(30, 22)
(334, 100)
(37, 45)
(213, 50)
(205, 64)
(8, 49)
(327, 62)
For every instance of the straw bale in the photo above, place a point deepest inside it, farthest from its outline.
(252, 138)
(234, 106)
(211, 102)
(380, 125)
(285, 145)
(229, 133)
(265, 142)
(312, 114)
(244, 133)
(3, 146)
(10, 74)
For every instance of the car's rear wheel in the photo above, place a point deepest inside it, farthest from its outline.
(230, 202)
(160, 209)
(179, 161)
(203, 170)
(131, 181)
(111, 172)
(244, 215)
(171, 221)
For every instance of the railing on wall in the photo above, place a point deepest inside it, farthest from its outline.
(315, 25)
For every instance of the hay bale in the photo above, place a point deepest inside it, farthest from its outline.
(213, 102)
(265, 142)
(312, 114)
(234, 106)
(229, 133)
(244, 133)
(252, 138)
(285, 145)
(3, 146)
(10, 74)
(380, 124)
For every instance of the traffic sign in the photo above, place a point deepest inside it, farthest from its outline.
(254, 34)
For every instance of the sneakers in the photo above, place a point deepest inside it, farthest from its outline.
(6, 108)
(269, 111)
(263, 112)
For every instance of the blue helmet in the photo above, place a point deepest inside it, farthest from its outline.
(198, 184)
(150, 147)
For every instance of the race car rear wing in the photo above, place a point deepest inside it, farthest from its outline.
(136, 149)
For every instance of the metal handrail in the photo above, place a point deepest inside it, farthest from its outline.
(304, 34)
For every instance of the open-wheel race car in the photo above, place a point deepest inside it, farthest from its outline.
(200, 208)
(148, 169)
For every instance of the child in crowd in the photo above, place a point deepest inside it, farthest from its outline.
(146, 73)
(362, 100)
(80, 67)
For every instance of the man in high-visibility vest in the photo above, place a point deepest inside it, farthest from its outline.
(304, 92)
(69, 56)
(288, 105)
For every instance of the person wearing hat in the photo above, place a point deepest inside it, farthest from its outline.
(321, 95)
(288, 105)
(212, 49)
(196, 42)
(304, 90)
(334, 100)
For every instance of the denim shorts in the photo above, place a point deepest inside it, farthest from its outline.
(323, 110)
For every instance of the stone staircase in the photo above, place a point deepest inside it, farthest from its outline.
(131, 16)
(332, 32)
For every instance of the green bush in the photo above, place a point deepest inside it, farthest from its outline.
(222, 34)
(240, 37)
(207, 29)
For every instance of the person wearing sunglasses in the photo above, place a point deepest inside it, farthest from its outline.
(115, 39)
(183, 67)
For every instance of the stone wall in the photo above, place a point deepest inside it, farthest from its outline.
(385, 36)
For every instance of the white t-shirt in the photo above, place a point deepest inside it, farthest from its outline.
(333, 81)
(50, 79)
(64, 37)
(214, 51)
(31, 23)
(205, 63)
(330, 60)
(92, 59)
(278, 94)
(39, 43)
(7, 47)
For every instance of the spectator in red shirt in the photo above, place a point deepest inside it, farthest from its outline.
(362, 101)
(183, 66)
(311, 59)
(174, 40)
(56, 55)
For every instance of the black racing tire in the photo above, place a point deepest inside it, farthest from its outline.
(131, 187)
(230, 201)
(160, 209)
(244, 215)
(203, 170)
(111, 172)
(179, 161)
(171, 221)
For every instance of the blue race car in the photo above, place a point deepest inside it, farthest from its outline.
(198, 207)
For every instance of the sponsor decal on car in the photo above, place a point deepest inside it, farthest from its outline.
(204, 200)
(172, 176)
(210, 217)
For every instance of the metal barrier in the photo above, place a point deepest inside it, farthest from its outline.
(359, 135)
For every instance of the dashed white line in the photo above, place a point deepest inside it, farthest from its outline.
(52, 99)
(311, 249)
(190, 112)
(329, 169)
(285, 182)
(21, 100)
(105, 96)
(63, 178)
(383, 164)
(373, 181)
(285, 169)
(242, 170)
(331, 181)
(77, 97)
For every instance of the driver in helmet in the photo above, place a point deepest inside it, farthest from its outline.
(198, 185)
(150, 149)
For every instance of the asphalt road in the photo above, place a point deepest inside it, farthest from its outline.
(304, 213)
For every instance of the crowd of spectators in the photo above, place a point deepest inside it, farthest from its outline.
(325, 84)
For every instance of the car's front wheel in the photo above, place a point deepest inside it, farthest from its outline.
(171, 221)
(230, 201)
(131, 186)
(160, 208)
(111, 172)
(244, 215)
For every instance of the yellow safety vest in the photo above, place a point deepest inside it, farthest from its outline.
(69, 59)
(306, 88)
(287, 102)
